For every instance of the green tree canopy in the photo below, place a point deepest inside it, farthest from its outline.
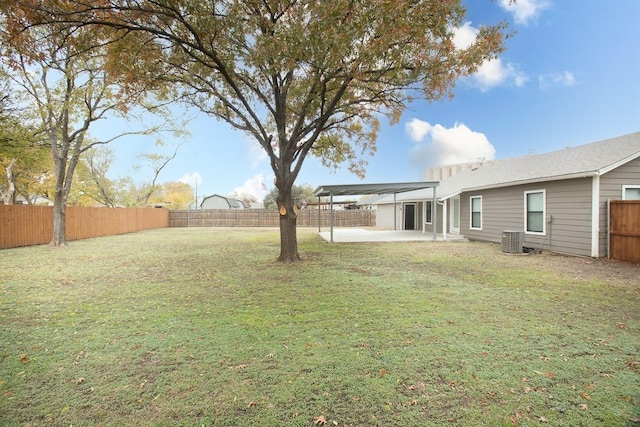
(24, 157)
(69, 78)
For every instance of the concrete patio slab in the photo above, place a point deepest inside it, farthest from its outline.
(352, 235)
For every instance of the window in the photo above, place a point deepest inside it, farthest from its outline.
(631, 192)
(534, 211)
(476, 212)
(428, 213)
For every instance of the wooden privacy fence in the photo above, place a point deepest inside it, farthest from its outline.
(624, 230)
(268, 218)
(24, 225)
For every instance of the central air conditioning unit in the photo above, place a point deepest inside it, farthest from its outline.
(512, 242)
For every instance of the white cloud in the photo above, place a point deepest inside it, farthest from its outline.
(254, 186)
(524, 11)
(491, 73)
(417, 129)
(464, 36)
(446, 146)
(191, 179)
(565, 78)
(495, 73)
(254, 152)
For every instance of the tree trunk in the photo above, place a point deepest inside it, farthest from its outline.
(59, 205)
(288, 220)
(59, 220)
(9, 195)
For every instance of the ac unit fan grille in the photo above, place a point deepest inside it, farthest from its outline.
(512, 242)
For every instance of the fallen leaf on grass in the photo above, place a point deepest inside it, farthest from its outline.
(542, 419)
(584, 406)
(237, 368)
(319, 421)
(24, 358)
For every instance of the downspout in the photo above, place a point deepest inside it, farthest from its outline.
(444, 219)
(331, 215)
(595, 216)
(608, 228)
(395, 221)
(424, 217)
(434, 215)
(319, 217)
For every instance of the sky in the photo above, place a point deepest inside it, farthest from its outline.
(570, 75)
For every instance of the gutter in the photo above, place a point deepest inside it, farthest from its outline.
(589, 174)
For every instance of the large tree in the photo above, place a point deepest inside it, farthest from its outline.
(70, 79)
(97, 184)
(172, 195)
(22, 152)
(301, 77)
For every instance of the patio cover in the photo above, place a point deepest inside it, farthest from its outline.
(368, 189)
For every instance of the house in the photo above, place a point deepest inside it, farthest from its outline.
(216, 201)
(558, 199)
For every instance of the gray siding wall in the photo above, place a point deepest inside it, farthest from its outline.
(384, 216)
(438, 218)
(569, 202)
(611, 188)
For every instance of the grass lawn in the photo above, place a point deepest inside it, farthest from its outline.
(193, 327)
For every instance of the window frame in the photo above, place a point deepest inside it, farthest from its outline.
(544, 212)
(471, 212)
(428, 207)
(626, 187)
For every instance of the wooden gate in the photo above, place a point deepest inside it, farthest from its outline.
(624, 230)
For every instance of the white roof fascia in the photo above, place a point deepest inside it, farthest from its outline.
(448, 196)
(618, 163)
(523, 182)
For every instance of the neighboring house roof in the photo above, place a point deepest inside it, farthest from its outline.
(233, 203)
(586, 160)
(38, 200)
